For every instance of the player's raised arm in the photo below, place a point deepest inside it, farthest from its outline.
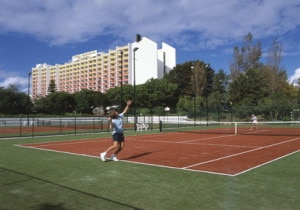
(127, 107)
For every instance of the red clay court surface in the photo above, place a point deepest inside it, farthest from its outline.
(211, 153)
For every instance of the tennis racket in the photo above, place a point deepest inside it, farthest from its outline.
(99, 111)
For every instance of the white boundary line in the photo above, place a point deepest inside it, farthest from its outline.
(187, 168)
(127, 161)
(207, 138)
(265, 163)
(188, 142)
(54, 143)
(237, 154)
(171, 167)
(52, 150)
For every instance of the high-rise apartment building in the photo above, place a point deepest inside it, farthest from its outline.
(136, 63)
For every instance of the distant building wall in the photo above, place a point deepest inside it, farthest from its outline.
(101, 71)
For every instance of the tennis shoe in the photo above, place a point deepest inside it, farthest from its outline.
(114, 158)
(102, 156)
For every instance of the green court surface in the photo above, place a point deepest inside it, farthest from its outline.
(38, 179)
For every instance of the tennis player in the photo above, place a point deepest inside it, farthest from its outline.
(116, 123)
(254, 122)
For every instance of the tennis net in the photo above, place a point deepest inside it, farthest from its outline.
(269, 128)
(291, 128)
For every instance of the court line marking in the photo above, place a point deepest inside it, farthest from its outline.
(187, 168)
(127, 161)
(241, 153)
(163, 166)
(194, 143)
(265, 163)
(201, 139)
(177, 142)
(53, 150)
(207, 138)
(57, 143)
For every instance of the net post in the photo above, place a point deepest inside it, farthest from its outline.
(235, 127)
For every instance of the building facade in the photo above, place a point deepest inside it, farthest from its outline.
(134, 63)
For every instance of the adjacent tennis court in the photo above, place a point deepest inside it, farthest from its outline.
(213, 151)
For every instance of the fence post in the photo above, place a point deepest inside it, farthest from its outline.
(160, 126)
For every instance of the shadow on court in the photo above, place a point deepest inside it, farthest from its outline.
(139, 155)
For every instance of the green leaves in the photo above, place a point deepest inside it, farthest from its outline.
(13, 102)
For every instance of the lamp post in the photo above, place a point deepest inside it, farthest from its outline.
(121, 53)
(194, 94)
(134, 89)
(231, 114)
(206, 102)
(206, 95)
(28, 98)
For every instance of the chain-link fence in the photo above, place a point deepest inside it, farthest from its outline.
(41, 126)
(45, 126)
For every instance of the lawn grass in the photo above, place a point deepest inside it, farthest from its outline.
(36, 179)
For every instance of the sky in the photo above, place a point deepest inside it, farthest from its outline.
(52, 31)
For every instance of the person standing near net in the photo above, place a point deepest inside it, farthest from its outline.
(254, 122)
(116, 123)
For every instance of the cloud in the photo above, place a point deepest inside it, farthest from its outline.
(5, 74)
(8, 78)
(20, 82)
(185, 24)
(294, 79)
(213, 22)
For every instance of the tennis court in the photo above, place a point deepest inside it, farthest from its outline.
(216, 152)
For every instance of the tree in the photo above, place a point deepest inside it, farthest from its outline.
(272, 69)
(277, 106)
(207, 87)
(59, 103)
(85, 99)
(276, 77)
(14, 102)
(201, 78)
(219, 96)
(193, 78)
(114, 95)
(40, 105)
(52, 86)
(155, 92)
(181, 75)
(158, 92)
(246, 57)
(246, 91)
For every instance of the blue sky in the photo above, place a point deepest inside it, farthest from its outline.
(52, 31)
